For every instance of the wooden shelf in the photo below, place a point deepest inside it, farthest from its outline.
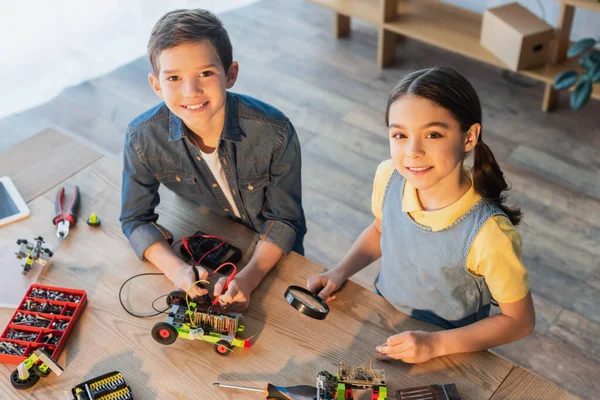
(547, 73)
(451, 28)
(366, 10)
(592, 5)
(457, 30)
(442, 25)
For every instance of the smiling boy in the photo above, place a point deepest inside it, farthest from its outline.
(230, 152)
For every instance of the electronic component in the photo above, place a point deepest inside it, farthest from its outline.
(209, 251)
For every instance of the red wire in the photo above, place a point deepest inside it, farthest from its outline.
(184, 241)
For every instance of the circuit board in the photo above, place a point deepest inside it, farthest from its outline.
(360, 377)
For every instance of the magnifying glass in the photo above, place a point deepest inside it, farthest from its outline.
(306, 302)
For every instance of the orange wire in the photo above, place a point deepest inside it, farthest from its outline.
(371, 365)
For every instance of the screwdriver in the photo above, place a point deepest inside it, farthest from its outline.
(300, 392)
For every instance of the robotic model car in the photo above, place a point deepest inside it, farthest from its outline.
(185, 321)
(341, 387)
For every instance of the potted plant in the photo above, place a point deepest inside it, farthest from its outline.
(590, 62)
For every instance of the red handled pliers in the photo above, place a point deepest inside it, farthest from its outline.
(64, 221)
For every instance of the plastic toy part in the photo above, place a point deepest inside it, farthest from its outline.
(93, 220)
(33, 253)
(37, 365)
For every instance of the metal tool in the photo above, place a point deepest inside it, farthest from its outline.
(64, 221)
(300, 392)
(447, 391)
(111, 386)
(306, 302)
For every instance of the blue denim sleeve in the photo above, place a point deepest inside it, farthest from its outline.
(283, 204)
(139, 198)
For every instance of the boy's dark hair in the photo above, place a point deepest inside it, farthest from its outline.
(189, 26)
(452, 91)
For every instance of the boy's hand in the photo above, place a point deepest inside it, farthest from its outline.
(325, 284)
(410, 346)
(184, 279)
(237, 296)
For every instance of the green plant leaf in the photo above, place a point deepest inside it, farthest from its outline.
(596, 76)
(595, 56)
(592, 63)
(581, 94)
(565, 80)
(580, 46)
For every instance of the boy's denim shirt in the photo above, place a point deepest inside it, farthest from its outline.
(260, 155)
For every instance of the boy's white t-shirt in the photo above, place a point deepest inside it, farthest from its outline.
(214, 164)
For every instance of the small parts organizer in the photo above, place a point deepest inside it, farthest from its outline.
(45, 319)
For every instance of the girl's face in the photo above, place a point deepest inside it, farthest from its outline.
(426, 142)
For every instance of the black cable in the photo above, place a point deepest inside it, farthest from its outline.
(158, 312)
(156, 309)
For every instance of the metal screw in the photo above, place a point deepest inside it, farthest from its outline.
(16, 349)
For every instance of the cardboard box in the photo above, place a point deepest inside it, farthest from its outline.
(516, 36)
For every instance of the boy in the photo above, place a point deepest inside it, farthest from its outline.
(232, 153)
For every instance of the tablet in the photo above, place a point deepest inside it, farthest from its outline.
(12, 205)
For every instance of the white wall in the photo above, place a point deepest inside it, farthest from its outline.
(46, 46)
(585, 24)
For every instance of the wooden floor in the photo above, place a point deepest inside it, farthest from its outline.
(335, 95)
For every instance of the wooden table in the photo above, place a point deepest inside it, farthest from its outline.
(289, 348)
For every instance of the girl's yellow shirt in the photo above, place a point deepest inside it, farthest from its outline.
(496, 250)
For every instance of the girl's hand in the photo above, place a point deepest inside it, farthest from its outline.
(325, 284)
(411, 347)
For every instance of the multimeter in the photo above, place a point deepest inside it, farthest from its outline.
(219, 252)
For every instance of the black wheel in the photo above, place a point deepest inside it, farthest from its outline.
(21, 241)
(164, 333)
(49, 252)
(23, 384)
(38, 372)
(222, 348)
(176, 295)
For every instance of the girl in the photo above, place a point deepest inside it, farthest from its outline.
(447, 240)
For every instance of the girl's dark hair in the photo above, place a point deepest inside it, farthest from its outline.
(189, 26)
(450, 90)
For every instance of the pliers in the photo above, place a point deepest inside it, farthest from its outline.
(64, 221)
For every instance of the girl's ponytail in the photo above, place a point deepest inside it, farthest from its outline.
(449, 89)
(489, 182)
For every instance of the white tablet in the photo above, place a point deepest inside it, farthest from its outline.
(12, 205)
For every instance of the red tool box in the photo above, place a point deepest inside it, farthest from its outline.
(45, 318)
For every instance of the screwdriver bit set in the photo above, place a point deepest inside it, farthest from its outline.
(111, 386)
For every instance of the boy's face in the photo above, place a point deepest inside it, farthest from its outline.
(192, 82)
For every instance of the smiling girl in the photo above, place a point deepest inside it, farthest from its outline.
(448, 242)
